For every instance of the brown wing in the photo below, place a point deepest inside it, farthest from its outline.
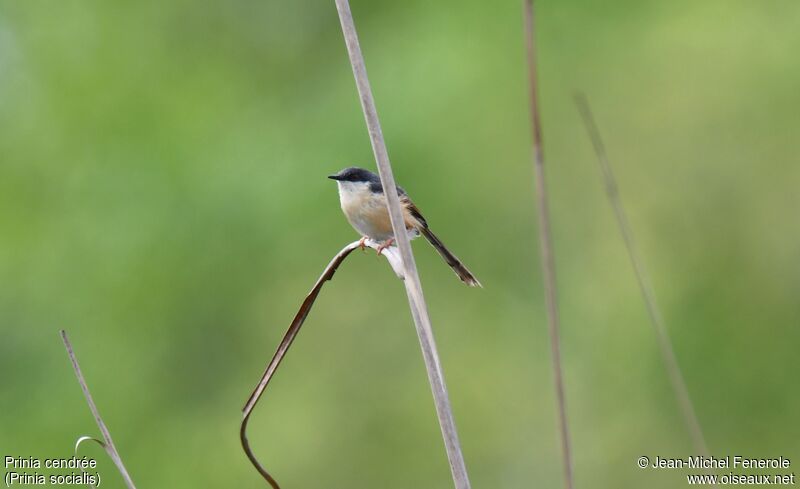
(412, 216)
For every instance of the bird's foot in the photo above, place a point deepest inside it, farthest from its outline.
(361, 244)
(385, 245)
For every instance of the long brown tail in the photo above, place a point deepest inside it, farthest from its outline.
(463, 273)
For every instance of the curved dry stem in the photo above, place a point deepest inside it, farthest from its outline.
(84, 438)
(108, 443)
(299, 318)
(78, 444)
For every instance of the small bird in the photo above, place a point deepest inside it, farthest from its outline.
(364, 204)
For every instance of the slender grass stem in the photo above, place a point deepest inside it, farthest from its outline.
(546, 247)
(645, 286)
(416, 299)
(108, 443)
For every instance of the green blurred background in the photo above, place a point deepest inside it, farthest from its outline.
(163, 198)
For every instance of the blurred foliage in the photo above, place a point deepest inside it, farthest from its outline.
(162, 196)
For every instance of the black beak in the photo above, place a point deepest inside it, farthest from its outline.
(335, 177)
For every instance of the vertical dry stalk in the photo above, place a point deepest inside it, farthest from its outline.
(108, 443)
(645, 286)
(546, 247)
(419, 309)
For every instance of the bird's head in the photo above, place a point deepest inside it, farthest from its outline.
(357, 181)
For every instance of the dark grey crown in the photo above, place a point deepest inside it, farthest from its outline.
(355, 174)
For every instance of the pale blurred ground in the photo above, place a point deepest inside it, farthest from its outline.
(162, 196)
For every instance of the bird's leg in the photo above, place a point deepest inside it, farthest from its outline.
(385, 245)
(361, 243)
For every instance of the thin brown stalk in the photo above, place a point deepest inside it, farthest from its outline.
(416, 299)
(108, 443)
(645, 286)
(546, 247)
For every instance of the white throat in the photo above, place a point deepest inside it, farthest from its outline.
(353, 193)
